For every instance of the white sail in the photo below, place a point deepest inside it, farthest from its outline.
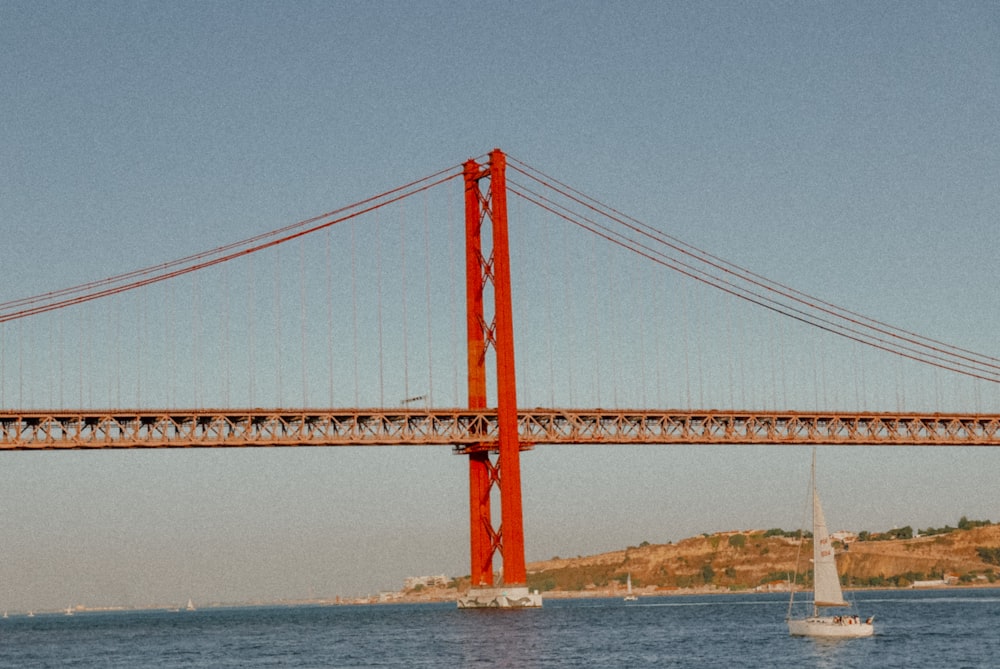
(827, 583)
(629, 596)
(826, 587)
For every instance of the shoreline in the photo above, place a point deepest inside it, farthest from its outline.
(445, 596)
(450, 595)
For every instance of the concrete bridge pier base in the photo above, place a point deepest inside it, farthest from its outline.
(517, 597)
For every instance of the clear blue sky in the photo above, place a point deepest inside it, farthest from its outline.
(851, 150)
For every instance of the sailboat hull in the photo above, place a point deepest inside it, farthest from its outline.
(830, 627)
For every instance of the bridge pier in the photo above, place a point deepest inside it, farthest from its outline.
(500, 598)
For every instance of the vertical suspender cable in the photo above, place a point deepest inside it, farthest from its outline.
(700, 357)
(378, 262)
(977, 396)
(687, 345)
(20, 364)
(302, 320)
(88, 359)
(402, 263)
(168, 328)
(614, 309)
(429, 400)
(730, 350)
(772, 345)
(226, 342)
(597, 354)
(742, 342)
(569, 339)
(827, 396)
(80, 352)
(902, 385)
(659, 330)
(783, 351)
(938, 395)
(197, 341)
(143, 343)
(48, 369)
(35, 364)
(277, 326)
(815, 369)
(547, 244)
(117, 345)
(354, 306)
(641, 306)
(863, 378)
(62, 360)
(3, 366)
(856, 377)
(329, 315)
(252, 363)
(453, 234)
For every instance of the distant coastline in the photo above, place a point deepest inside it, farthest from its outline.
(762, 561)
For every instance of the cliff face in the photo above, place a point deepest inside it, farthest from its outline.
(952, 553)
(746, 560)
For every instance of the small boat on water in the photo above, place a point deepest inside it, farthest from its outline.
(629, 596)
(190, 606)
(826, 587)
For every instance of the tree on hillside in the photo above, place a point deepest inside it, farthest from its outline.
(901, 533)
(966, 524)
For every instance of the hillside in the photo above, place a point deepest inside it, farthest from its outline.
(758, 559)
(752, 559)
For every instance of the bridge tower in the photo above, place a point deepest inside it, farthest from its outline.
(487, 475)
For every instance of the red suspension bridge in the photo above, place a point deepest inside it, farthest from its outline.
(178, 346)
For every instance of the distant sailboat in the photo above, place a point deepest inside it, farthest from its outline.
(826, 586)
(629, 597)
(190, 605)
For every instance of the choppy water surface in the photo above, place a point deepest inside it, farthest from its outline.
(952, 628)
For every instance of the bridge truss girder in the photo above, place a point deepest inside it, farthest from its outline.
(469, 431)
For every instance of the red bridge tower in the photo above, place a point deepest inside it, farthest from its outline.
(486, 475)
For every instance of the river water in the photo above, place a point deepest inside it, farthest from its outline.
(941, 628)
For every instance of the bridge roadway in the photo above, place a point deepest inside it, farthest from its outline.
(469, 430)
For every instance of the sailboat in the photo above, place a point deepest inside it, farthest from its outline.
(629, 597)
(826, 587)
(190, 605)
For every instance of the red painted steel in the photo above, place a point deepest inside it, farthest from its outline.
(471, 431)
(512, 549)
(506, 472)
(480, 517)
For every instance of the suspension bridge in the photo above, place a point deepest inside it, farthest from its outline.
(393, 309)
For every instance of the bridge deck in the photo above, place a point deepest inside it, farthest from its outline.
(466, 430)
